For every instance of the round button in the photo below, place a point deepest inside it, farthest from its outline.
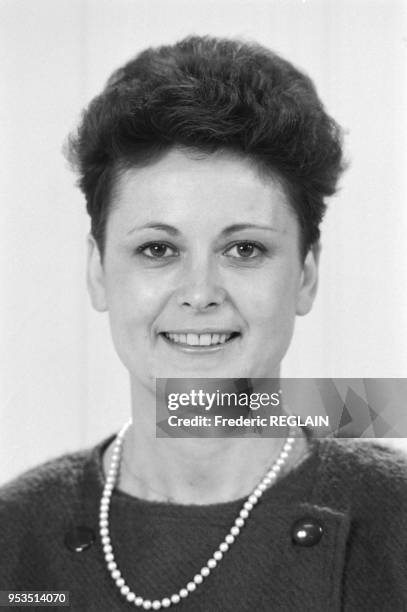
(79, 538)
(307, 532)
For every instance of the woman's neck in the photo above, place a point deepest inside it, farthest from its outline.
(193, 470)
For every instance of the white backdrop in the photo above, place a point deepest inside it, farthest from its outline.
(62, 386)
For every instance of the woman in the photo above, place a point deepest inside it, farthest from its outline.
(205, 166)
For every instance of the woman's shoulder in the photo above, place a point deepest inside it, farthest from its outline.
(364, 456)
(362, 474)
(58, 479)
(43, 507)
(43, 485)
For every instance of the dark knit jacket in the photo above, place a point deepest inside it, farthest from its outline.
(356, 493)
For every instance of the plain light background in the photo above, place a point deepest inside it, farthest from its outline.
(63, 387)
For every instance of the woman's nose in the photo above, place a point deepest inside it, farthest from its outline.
(201, 287)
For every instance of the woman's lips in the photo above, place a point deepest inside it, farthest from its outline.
(199, 341)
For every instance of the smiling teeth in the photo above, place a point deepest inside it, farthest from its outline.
(199, 339)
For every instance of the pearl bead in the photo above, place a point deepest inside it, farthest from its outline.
(175, 598)
(112, 566)
(125, 590)
(211, 563)
(235, 531)
(166, 602)
(183, 593)
(138, 601)
(205, 571)
(130, 596)
(104, 523)
(198, 579)
(156, 605)
(239, 522)
(147, 604)
(229, 539)
(262, 486)
(191, 586)
(109, 557)
(276, 468)
(244, 513)
(120, 582)
(107, 548)
(224, 547)
(258, 492)
(104, 531)
(105, 540)
(253, 499)
(217, 555)
(248, 506)
(280, 462)
(116, 574)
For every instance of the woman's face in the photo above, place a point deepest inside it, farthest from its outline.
(202, 275)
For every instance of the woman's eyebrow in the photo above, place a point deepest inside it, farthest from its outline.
(158, 226)
(237, 227)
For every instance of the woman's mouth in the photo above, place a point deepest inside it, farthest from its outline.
(199, 340)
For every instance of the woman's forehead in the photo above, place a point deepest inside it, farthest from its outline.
(198, 186)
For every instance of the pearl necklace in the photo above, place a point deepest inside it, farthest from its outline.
(217, 556)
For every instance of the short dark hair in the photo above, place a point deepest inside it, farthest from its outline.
(210, 94)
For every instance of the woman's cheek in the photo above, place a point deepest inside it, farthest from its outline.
(139, 286)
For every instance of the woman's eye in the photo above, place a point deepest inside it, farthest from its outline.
(157, 250)
(245, 250)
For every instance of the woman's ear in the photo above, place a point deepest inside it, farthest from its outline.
(309, 280)
(96, 276)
